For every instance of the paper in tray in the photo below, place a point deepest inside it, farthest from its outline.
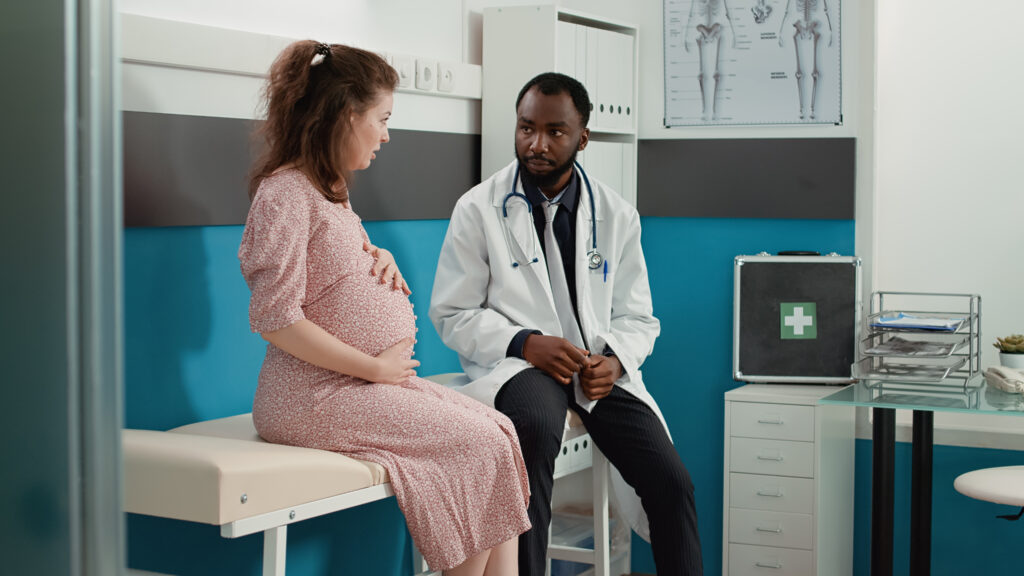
(901, 321)
(898, 346)
(907, 370)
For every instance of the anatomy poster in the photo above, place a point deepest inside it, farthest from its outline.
(752, 62)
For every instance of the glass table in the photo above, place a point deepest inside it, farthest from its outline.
(884, 398)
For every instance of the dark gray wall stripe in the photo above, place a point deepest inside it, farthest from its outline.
(193, 171)
(750, 178)
(185, 170)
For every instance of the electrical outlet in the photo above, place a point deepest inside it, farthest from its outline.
(406, 68)
(426, 74)
(445, 77)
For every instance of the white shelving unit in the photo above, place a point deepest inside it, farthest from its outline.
(520, 42)
(788, 494)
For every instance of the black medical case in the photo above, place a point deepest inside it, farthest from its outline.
(796, 319)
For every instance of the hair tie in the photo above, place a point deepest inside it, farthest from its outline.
(323, 50)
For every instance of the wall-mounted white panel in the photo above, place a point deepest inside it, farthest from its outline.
(167, 90)
(174, 67)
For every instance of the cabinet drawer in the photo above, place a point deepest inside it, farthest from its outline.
(765, 528)
(779, 421)
(746, 560)
(776, 493)
(774, 457)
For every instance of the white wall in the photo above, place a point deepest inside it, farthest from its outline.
(948, 214)
(429, 29)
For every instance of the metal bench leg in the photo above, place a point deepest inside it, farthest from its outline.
(275, 540)
(599, 469)
(547, 559)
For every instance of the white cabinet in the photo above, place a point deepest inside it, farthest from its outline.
(520, 42)
(788, 494)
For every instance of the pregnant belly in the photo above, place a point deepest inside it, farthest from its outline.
(364, 314)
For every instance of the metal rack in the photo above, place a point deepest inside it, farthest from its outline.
(921, 341)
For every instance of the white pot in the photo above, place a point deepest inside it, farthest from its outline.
(1012, 360)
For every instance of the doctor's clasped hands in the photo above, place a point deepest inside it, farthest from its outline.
(558, 358)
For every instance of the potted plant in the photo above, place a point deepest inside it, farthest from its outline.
(1011, 351)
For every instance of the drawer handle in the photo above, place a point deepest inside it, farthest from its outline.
(772, 420)
(775, 566)
(775, 494)
(772, 458)
(776, 530)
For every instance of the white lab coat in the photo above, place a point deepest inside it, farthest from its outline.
(481, 301)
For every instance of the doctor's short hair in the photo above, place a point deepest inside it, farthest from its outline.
(552, 83)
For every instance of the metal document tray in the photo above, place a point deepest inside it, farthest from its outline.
(906, 345)
(796, 319)
(935, 341)
(955, 322)
(909, 369)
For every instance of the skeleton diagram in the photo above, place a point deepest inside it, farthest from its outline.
(811, 18)
(708, 19)
(762, 10)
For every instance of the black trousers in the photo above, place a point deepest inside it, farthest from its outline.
(632, 438)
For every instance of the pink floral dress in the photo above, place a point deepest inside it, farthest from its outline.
(455, 464)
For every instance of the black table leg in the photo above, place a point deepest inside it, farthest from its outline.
(883, 446)
(921, 495)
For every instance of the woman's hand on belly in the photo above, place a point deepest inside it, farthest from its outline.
(385, 268)
(394, 365)
(309, 342)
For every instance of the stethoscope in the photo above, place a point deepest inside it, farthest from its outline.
(594, 258)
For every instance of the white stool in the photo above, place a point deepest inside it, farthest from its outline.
(577, 453)
(1003, 485)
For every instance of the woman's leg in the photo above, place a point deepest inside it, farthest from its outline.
(457, 475)
(473, 566)
(504, 560)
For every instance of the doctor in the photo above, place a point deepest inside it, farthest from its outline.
(541, 288)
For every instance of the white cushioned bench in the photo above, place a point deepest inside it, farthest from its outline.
(221, 472)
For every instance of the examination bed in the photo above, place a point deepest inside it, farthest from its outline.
(221, 472)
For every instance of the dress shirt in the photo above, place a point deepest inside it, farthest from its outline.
(565, 234)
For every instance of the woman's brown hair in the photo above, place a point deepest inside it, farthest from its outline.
(311, 94)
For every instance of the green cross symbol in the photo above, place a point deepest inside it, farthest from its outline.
(798, 320)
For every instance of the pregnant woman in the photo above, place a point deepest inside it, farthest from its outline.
(338, 373)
